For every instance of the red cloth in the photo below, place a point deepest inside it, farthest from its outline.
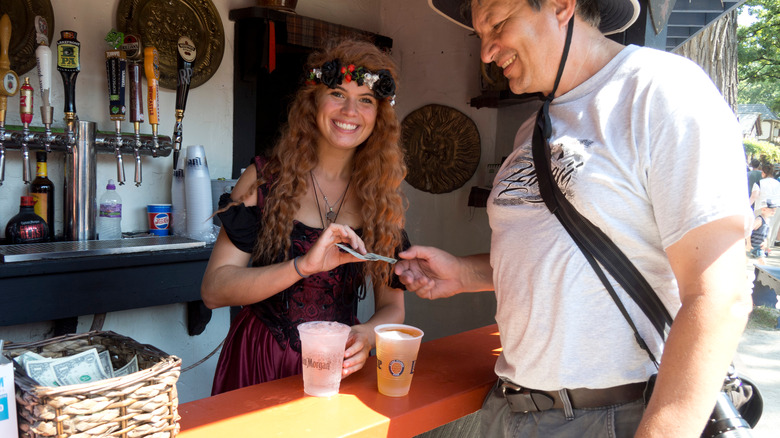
(251, 355)
(271, 46)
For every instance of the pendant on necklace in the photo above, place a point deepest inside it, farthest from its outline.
(330, 216)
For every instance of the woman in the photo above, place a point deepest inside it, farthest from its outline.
(333, 177)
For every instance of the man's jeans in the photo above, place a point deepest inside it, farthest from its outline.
(616, 421)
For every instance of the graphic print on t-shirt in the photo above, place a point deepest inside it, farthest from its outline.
(518, 183)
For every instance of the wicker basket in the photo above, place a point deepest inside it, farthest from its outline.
(141, 404)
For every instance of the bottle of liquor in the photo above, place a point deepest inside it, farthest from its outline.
(42, 191)
(26, 227)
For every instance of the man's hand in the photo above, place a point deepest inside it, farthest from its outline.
(432, 273)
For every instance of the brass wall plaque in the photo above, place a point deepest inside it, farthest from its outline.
(21, 49)
(442, 148)
(162, 23)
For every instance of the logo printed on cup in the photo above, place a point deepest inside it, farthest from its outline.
(396, 367)
(316, 364)
(161, 221)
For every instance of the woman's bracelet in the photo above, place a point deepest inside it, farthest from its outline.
(295, 265)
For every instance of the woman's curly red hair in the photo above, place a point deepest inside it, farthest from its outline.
(378, 167)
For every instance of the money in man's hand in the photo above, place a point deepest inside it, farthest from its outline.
(368, 256)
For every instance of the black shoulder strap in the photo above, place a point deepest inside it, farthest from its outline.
(595, 245)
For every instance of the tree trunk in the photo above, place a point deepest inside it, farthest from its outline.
(715, 50)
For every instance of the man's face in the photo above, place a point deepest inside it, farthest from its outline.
(522, 41)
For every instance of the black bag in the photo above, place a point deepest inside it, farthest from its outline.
(739, 405)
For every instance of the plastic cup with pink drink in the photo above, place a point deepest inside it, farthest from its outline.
(322, 353)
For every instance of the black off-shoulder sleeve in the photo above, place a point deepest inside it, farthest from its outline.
(241, 223)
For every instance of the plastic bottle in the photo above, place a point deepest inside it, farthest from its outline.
(109, 220)
(26, 226)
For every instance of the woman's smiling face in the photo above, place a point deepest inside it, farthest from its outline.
(346, 115)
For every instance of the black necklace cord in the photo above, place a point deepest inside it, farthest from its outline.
(547, 128)
(593, 243)
(543, 124)
(340, 202)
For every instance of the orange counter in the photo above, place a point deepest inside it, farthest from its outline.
(452, 376)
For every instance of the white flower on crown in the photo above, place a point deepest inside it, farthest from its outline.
(370, 79)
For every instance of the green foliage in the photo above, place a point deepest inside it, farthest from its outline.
(762, 150)
(763, 317)
(759, 55)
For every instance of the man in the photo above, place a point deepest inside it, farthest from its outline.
(758, 238)
(768, 187)
(644, 146)
(754, 176)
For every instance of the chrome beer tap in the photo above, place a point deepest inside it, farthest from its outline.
(69, 66)
(116, 64)
(26, 114)
(43, 60)
(132, 47)
(186, 58)
(152, 70)
(9, 86)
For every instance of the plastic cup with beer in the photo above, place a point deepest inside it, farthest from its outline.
(322, 352)
(396, 353)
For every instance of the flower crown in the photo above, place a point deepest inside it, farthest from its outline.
(332, 73)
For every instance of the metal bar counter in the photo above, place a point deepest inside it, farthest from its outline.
(452, 376)
(67, 279)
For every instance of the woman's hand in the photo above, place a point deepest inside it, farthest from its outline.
(358, 348)
(325, 255)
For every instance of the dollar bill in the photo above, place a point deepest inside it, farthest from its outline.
(84, 367)
(27, 355)
(368, 256)
(129, 368)
(41, 371)
(105, 362)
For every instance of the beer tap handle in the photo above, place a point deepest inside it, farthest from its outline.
(9, 85)
(116, 64)
(132, 47)
(26, 114)
(152, 70)
(43, 60)
(69, 66)
(2, 158)
(186, 58)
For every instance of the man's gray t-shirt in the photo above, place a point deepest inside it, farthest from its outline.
(647, 149)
